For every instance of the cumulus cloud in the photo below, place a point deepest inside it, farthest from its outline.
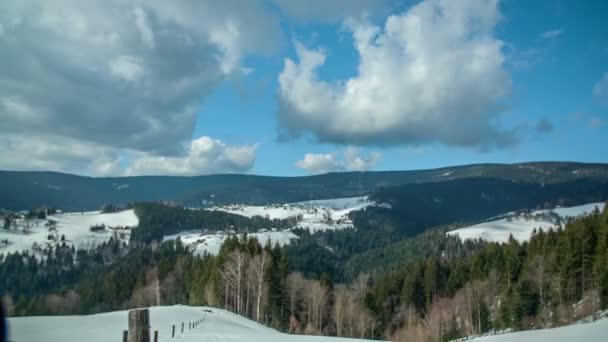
(56, 153)
(600, 89)
(351, 160)
(319, 163)
(204, 156)
(432, 74)
(121, 76)
(354, 161)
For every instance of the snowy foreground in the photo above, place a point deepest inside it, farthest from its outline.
(522, 226)
(38, 234)
(585, 332)
(219, 325)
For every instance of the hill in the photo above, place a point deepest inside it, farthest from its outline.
(21, 190)
(218, 325)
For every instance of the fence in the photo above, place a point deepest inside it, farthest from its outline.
(139, 327)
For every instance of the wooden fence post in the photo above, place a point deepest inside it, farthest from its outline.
(173, 331)
(139, 325)
(182, 327)
(125, 335)
(155, 335)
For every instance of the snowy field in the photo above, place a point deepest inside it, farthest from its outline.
(74, 226)
(522, 226)
(218, 326)
(585, 332)
(315, 215)
(200, 243)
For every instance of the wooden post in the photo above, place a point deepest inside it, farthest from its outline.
(173, 331)
(155, 335)
(139, 325)
(125, 335)
(182, 327)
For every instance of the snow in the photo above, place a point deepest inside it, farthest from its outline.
(588, 332)
(522, 226)
(218, 326)
(75, 227)
(201, 243)
(315, 214)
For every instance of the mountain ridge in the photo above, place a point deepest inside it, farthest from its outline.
(21, 190)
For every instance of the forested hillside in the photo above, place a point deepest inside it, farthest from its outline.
(22, 190)
(463, 289)
(157, 220)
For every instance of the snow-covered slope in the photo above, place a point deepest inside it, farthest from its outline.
(74, 226)
(218, 325)
(201, 243)
(588, 332)
(315, 215)
(522, 226)
(312, 215)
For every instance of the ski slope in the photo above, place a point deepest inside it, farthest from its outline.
(315, 215)
(218, 326)
(584, 332)
(201, 243)
(74, 226)
(521, 226)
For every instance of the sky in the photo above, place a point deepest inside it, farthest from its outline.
(290, 88)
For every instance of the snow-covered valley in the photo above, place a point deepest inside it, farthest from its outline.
(521, 226)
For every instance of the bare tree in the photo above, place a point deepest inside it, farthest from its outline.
(257, 269)
(317, 302)
(296, 285)
(341, 296)
(232, 273)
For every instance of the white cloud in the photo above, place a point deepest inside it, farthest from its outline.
(54, 153)
(204, 156)
(354, 161)
(123, 77)
(319, 163)
(49, 152)
(141, 21)
(127, 68)
(350, 160)
(552, 34)
(433, 73)
(600, 89)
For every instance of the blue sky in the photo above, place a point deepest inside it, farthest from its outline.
(552, 77)
(149, 104)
